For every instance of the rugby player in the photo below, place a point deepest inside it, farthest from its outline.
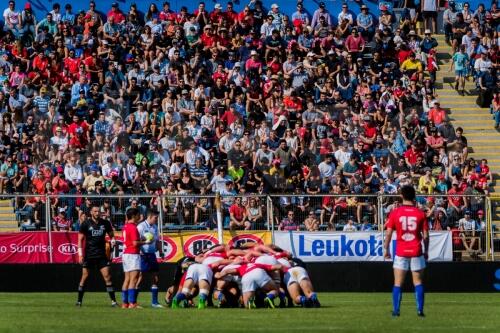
(131, 258)
(200, 275)
(149, 263)
(298, 283)
(254, 276)
(411, 228)
(92, 234)
(181, 268)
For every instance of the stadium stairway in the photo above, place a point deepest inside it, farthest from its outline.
(478, 124)
(8, 222)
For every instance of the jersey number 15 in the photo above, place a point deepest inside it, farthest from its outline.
(408, 223)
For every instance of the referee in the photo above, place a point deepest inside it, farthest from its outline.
(149, 262)
(93, 234)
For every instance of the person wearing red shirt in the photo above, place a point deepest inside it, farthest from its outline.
(370, 132)
(253, 276)
(79, 133)
(71, 63)
(131, 258)
(437, 114)
(230, 116)
(456, 203)
(116, 13)
(238, 216)
(39, 68)
(411, 227)
(216, 15)
(230, 15)
(220, 74)
(355, 43)
(412, 154)
(208, 40)
(167, 13)
(253, 62)
(246, 15)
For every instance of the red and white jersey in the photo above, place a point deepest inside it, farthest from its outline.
(214, 257)
(130, 234)
(409, 222)
(247, 268)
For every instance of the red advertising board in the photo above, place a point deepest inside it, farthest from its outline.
(33, 248)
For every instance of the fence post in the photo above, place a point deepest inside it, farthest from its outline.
(270, 217)
(220, 224)
(159, 207)
(380, 211)
(48, 225)
(489, 231)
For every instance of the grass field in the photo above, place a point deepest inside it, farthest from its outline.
(342, 312)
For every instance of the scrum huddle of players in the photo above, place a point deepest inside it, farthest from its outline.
(250, 276)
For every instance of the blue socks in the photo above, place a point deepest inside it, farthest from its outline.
(154, 295)
(202, 297)
(180, 296)
(313, 297)
(396, 299)
(270, 296)
(125, 296)
(132, 295)
(419, 297)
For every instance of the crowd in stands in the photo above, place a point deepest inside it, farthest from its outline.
(322, 101)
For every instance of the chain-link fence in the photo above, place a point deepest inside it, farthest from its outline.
(470, 218)
(332, 212)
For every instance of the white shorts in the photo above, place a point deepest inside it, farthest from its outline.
(407, 263)
(131, 262)
(255, 279)
(197, 272)
(295, 275)
(270, 260)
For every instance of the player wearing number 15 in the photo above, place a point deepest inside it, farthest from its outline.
(411, 228)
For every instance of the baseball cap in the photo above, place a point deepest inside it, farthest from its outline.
(467, 212)
(427, 32)
(480, 212)
(237, 64)
(218, 6)
(253, 52)
(274, 5)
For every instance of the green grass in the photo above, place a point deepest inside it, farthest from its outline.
(342, 312)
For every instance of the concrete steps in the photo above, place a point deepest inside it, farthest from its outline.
(478, 124)
(8, 222)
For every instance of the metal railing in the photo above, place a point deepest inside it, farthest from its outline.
(331, 212)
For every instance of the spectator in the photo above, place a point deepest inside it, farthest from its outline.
(311, 223)
(350, 226)
(289, 223)
(211, 101)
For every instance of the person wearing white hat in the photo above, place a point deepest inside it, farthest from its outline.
(277, 16)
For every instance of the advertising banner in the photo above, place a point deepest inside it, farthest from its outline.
(354, 246)
(33, 247)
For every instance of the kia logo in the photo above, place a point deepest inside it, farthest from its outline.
(68, 248)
